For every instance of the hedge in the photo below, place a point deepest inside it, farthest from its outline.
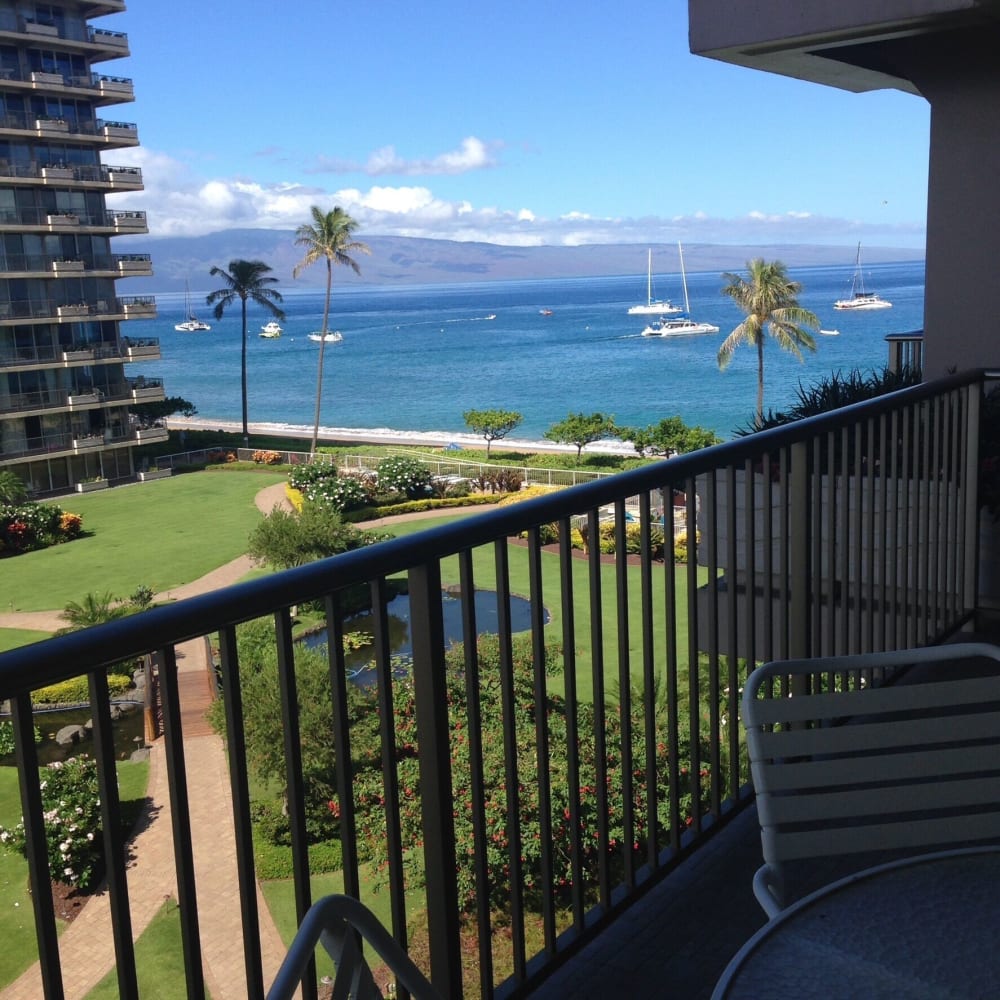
(76, 690)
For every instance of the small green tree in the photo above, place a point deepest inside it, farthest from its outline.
(581, 429)
(12, 488)
(492, 425)
(284, 539)
(148, 413)
(669, 436)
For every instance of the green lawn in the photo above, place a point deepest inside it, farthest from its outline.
(17, 922)
(14, 638)
(159, 534)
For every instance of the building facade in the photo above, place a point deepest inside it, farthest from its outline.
(64, 394)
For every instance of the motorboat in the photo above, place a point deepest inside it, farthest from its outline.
(830, 333)
(332, 337)
(271, 330)
(861, 299)
(191, 323)
(653, 307)
(683, 325)
(544, 312)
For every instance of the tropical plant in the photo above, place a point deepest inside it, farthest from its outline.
(327, 238)
(769, 298)
(580, 429)
(492, 425)
(245, 280)
(12, 489)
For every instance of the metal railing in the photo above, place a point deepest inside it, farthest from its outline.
(612, 750)
(906, 351)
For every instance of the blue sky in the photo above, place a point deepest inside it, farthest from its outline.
(519, 123)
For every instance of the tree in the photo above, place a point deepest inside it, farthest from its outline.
(327, 238)
(581, 429)
(12, 488)
(245, 279)
(492, 425)
(768, 297)
(149, 413)
(669, 436)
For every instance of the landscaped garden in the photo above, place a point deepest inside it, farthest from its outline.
(170, 532)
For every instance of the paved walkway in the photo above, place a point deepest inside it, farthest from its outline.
(86, 947)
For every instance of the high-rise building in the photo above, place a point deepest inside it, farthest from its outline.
(64, 395)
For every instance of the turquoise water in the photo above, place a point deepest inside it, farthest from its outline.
(415, 358)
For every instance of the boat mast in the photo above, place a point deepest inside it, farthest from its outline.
(649, 277)
(687, 305)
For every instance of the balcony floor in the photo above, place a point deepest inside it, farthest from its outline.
(676, 941)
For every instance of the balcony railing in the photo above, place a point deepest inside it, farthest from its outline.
(127, 306)
(848, 532)
(906, 350)
(130, 349)
(63, 174)
(59, 221)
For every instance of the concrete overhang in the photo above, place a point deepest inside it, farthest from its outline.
(855, 45)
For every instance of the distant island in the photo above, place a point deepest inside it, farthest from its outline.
(401, 260)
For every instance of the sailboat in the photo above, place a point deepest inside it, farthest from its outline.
(681, 325)
(191, 323)
(653, 307)
(860, 299)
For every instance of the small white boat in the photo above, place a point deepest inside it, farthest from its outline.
(830, 333)
(191, 323)
(271, 330)
(333, 337)
(653, 307)
(860, 299)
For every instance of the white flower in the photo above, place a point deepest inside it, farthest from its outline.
(90, 836)
(68, 871)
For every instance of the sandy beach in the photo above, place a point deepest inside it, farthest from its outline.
(386, 435)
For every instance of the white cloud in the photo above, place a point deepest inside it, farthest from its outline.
(179, 203)
(472, 154)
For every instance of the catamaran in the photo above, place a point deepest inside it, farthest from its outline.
(653, 307)
(681, 325)
(191, 323)
(860, 299)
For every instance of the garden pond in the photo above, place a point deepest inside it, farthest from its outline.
(358, 661)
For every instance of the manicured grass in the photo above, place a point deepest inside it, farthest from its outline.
(159, 959)
(159, 534)
(14, 638)
(17, 923)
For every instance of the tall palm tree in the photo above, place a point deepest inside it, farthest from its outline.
(327, 238)
(769, 299)
(245, 279)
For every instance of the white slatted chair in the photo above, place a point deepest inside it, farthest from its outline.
(906, 767)
(335, 922)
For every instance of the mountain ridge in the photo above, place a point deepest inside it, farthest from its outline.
(406, 260)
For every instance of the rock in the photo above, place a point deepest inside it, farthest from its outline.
(69, 735)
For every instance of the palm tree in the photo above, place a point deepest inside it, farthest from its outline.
(768, 297)
(327, 238)
(245, 279)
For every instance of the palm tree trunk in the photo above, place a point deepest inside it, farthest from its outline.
(322, 348)
(243, 373)
(760, 378)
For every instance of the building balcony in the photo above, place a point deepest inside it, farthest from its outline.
(135, 349)
(655, 779)
(26, 311)
(144, 389)
(95, 132)
(150, 435)
(129, 222)
(102, 178)
(134, 264)
(41, 221)
(138, 306)
(113, 44)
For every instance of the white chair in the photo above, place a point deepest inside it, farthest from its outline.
(844, 768)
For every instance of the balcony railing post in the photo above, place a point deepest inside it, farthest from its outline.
(799, 521)
(431, 696)
(970, 581)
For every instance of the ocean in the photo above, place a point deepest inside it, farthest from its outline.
(413, 359)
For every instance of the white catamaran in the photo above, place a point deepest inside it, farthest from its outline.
(860, 299)
(653, 307)
(682, 325)
(191, 323)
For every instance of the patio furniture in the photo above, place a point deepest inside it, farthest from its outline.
(842, 767)
(339, 923)
(916, 929)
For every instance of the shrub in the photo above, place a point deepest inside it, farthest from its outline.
(681, 546)
(7, 738)
(76, 690)
(72, 809)
(405, 474)
(70, 525)
(633, 539)
(346, 493)
(266, 457)
(301, 477)
(27, 526)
